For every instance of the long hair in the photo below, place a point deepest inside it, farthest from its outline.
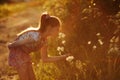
(45, 21)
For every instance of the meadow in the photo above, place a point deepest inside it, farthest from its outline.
(92, 36)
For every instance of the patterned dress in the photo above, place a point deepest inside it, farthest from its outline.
(20, 54)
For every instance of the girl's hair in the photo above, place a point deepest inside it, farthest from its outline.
(45, 21)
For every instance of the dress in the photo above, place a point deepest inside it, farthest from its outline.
(20, 54)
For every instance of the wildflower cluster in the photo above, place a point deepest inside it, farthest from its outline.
(61, 41)
(61, 48)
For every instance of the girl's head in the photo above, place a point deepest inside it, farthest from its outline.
(49, 24)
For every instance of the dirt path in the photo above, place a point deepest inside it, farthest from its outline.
(9, 27)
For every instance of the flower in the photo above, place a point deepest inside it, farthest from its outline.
(33, 63)
(63, 42)
(61, 35)
(69, 58)
(98, 34)
(100, 41)
(60, 53)
(94, 47)
(89, 42)
(60, 48)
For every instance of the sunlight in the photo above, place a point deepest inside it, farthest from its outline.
(87, 46)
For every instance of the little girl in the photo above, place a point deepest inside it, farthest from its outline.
(30, 41)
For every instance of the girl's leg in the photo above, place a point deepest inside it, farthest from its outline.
(31, 72)
(25, 72)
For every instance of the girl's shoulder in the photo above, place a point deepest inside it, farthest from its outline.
(30, 29)
(34, 34)
(31, 34)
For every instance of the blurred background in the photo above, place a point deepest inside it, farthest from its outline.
(92, 29)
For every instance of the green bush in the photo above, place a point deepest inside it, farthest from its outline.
(89, 32)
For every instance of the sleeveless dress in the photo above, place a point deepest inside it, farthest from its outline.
(20, 54)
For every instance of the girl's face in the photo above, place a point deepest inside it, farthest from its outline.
(54, 31)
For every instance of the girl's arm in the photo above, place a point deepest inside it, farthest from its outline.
(45, 58)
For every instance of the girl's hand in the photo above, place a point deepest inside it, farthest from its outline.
(69, 57)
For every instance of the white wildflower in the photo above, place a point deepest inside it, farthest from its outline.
(100, 41)
(69, 58)
(33, 63)
(60, 53)
(63, 42)
(60, 48)
(94, 4)
(61, 35)
(89, 42)
(98, 34)
(94, 47)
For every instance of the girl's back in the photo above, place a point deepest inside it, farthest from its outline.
(33, 40)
